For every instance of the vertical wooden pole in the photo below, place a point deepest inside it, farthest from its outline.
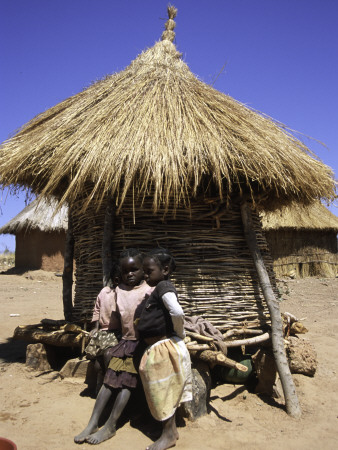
(107, 262)
(290, 395)
(67, 276)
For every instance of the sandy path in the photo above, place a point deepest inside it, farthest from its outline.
(43, 412)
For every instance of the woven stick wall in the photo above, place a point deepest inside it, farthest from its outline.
(88, 233)
(215, 276)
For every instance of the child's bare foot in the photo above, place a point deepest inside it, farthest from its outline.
(80, 438)
(164, 442)
(100, 436)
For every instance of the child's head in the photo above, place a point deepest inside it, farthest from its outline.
(130, 267)
(158, 264)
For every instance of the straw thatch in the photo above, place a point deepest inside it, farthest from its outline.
(155, 127)
(300, 217)
(302, 240)
(39, 215)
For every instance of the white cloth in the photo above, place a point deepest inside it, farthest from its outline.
(176, 313)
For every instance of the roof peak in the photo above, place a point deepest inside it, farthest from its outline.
(169, 34)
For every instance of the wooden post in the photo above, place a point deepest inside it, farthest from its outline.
(107, 262)
(291, 400)
(67, 276)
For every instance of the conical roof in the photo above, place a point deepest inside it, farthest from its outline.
(155, 128)
(41, 215)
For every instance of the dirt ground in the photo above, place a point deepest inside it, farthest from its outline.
(44, 412)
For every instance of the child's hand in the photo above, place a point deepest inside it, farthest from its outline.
(94, 329)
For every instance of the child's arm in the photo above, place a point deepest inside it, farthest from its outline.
(96, 315)
(96, 326)
(176, 313)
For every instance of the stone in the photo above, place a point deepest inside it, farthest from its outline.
(201, 386)
(78, 368)
(302, 356)
(40, 357)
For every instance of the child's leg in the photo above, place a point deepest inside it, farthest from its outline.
(101, 401)
(168, 437)
(105, 358)
(109, 428)
(100, 371)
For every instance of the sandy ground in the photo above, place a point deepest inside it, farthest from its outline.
(44, 412)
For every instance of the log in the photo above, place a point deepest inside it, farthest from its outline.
(240, 331)
(290, 395)
(67, 276)
(190, 343)
(198, 347)
(249, 341)
(58, 338)
(107, 262)
(199, 337)
(213, 358)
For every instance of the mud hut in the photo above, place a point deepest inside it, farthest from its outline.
(302, 240)
(154, 156)
(40, 236)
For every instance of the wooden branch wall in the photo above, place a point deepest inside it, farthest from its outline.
(215, 274)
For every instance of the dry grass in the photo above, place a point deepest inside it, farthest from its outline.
(155, 127)
(7, 260)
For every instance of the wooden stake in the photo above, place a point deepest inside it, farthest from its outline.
(107, 262)
(67, 276)
(291, 400)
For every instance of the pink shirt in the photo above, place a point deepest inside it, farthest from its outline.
(127, 300)
(104, 305)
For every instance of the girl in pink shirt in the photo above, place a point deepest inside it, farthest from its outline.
(121, 373)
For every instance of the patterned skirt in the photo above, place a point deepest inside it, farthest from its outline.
(165, 371)
(121, 372)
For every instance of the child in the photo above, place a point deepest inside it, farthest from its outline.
(121, 373)
(165, 367)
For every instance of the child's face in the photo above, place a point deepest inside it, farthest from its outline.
(153, 273)
(131, 271)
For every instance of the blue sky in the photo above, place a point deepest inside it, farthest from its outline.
(280, 57)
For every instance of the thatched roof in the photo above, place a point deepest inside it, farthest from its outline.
(298, 217)
(39, 215)
(156, 128)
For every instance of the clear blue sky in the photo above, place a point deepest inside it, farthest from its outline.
(280, 56)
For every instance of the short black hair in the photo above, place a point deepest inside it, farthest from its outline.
(163, 257)
(131, 253)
